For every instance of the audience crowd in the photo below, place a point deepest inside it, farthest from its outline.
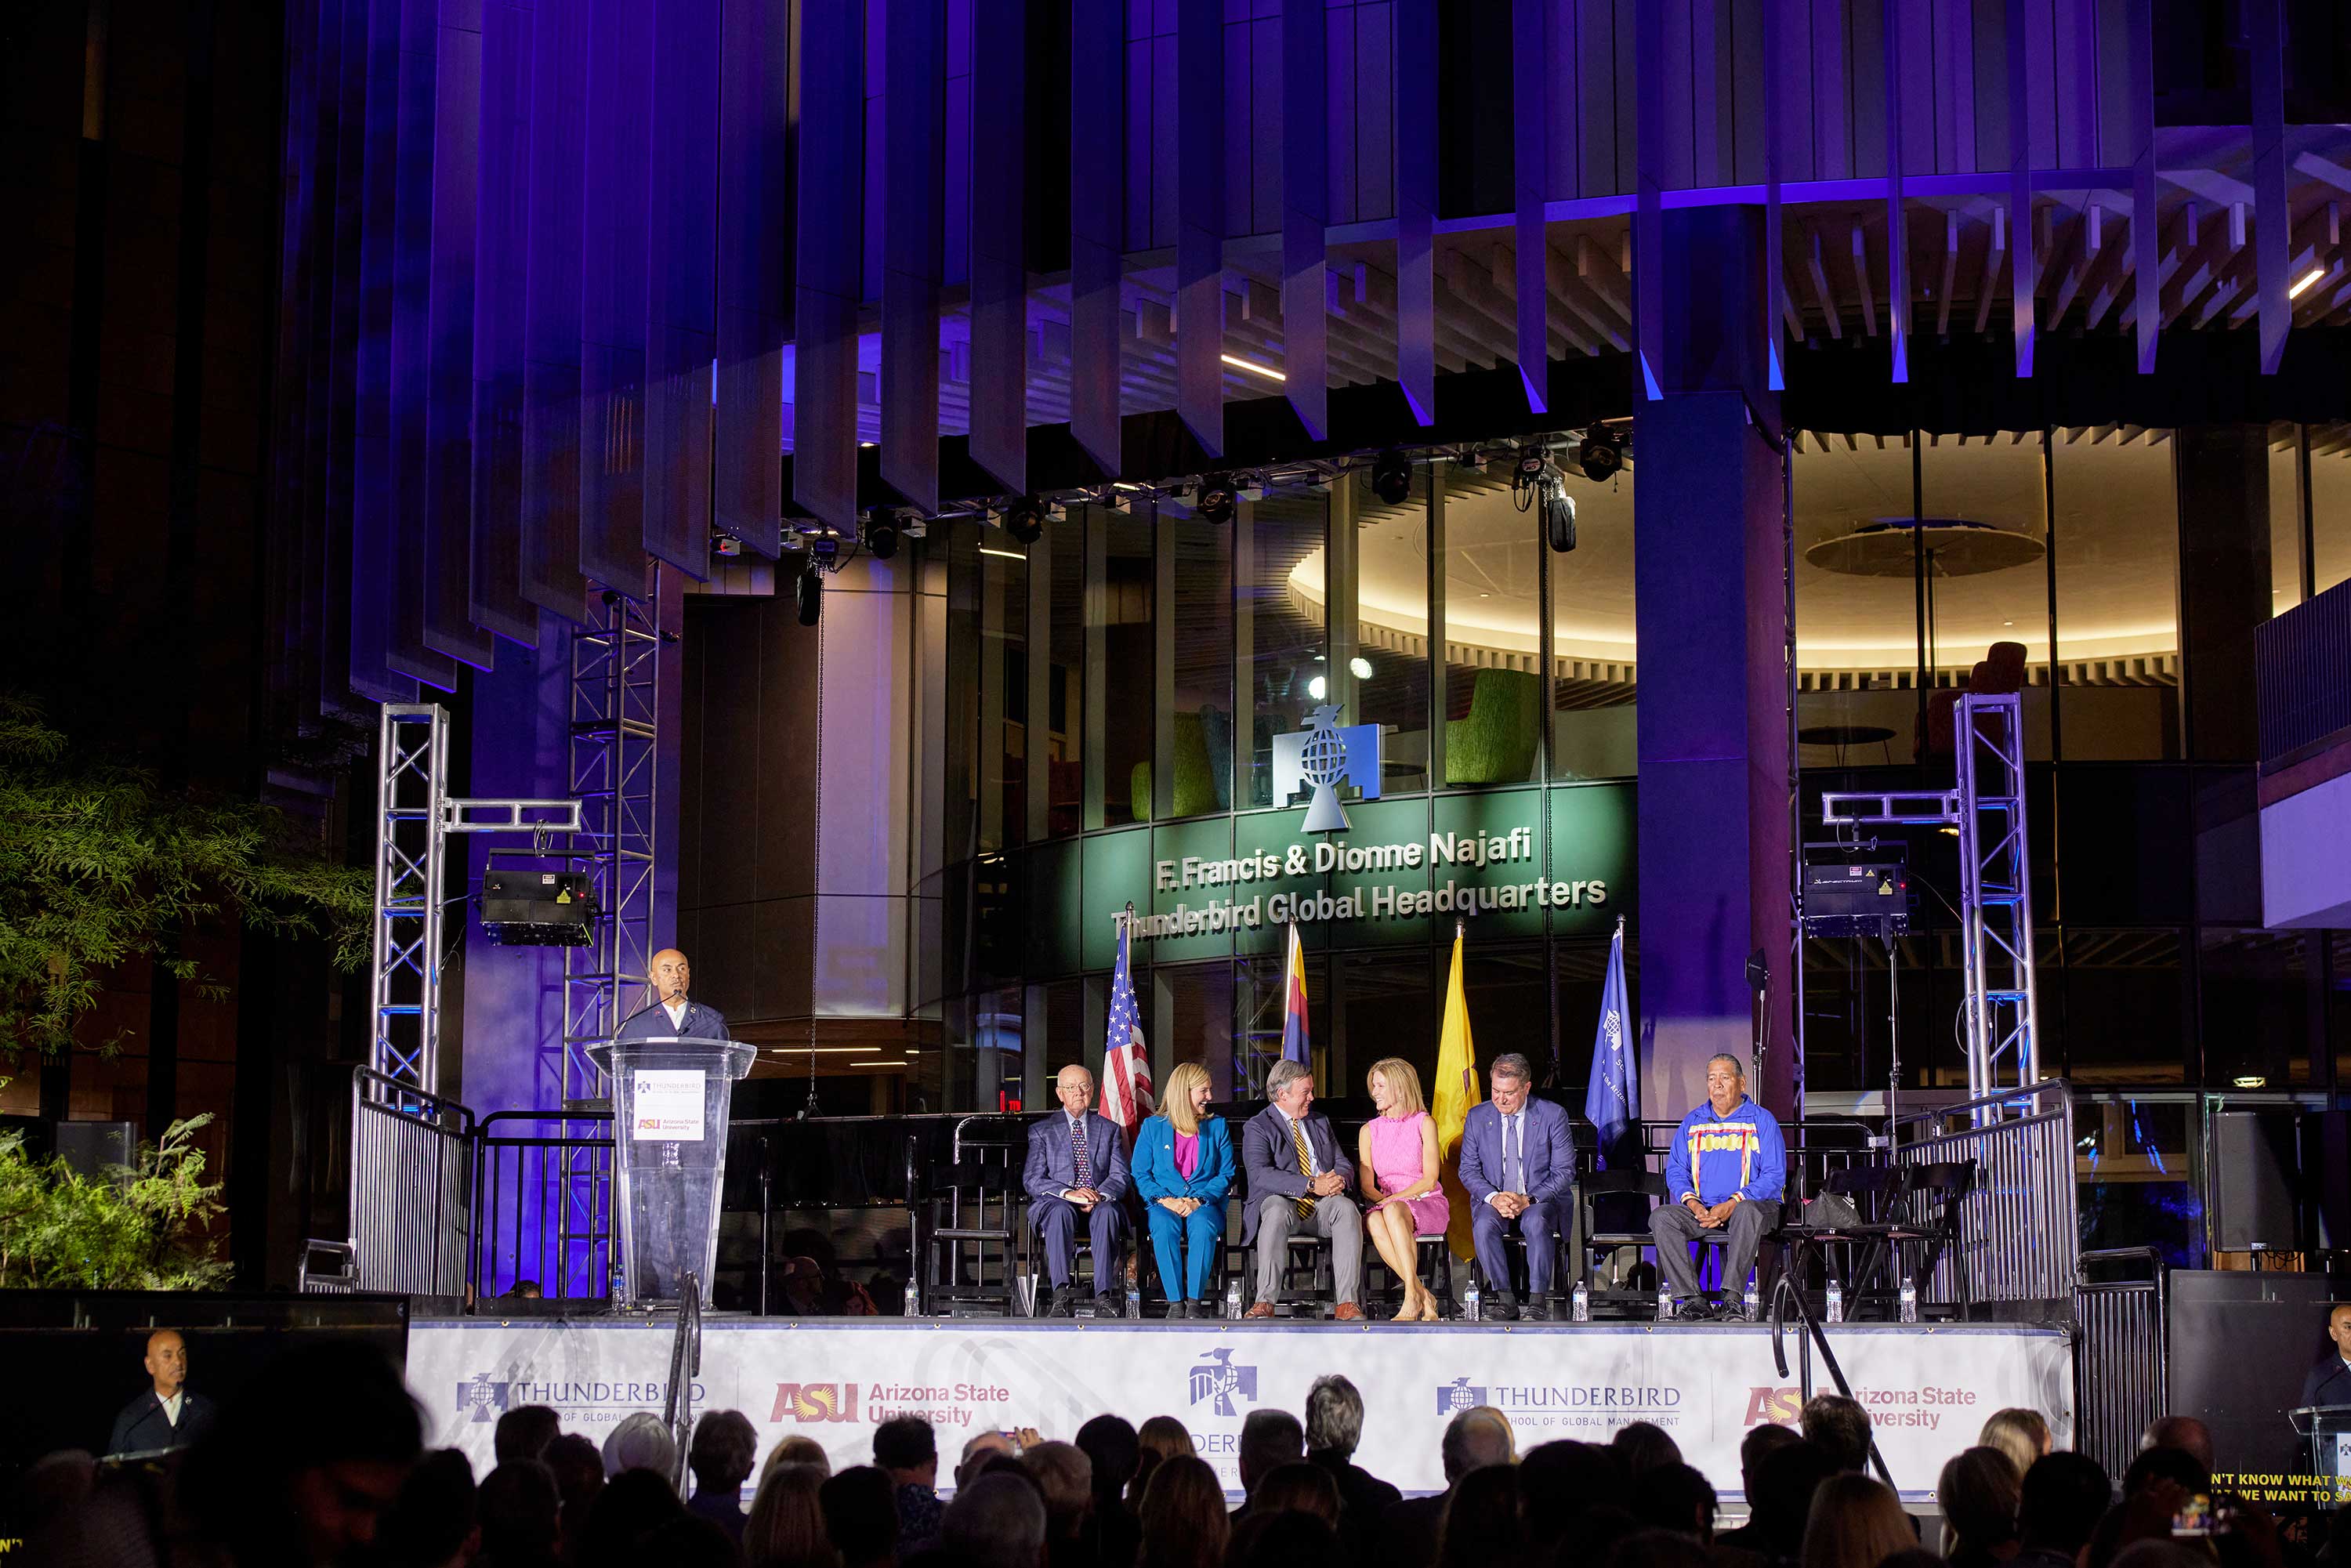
(321, 1461)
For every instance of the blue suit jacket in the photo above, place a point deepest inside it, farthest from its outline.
(652, 1023)
(1053, 1167)
(1547, 1145)
(1156, 1175)
(1270, 1162)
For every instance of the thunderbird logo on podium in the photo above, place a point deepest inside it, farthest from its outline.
(482, 1396)
(1222, 1381)
(1325, 754)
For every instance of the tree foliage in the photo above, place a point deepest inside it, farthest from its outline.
(140, 1228)
(99, 863)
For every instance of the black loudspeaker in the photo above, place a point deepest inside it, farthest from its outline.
(2239, 1345)
(2253, 1161)
(94, 1149)
(2327, 1156)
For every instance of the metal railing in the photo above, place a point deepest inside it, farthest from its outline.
(2299, 661)
(2019, 1226)
(409, 1217)
(544, 1201)
(2120, 1368)
(685, 1366)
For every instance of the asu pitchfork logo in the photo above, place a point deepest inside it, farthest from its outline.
(806, 1402)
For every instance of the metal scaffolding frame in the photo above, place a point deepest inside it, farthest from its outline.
(2001, 1002)
(615, 731)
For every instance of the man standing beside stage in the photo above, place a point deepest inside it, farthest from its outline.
(166, 1415)
(1518, 1163)
(670, 1013)
(1725, 1173)
(1077, 1167)
(1299, 1179)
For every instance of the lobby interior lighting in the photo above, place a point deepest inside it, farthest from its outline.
(2251, 1081)
(1004, 554)
(897, 1064)
(1359, 667)
(1316, 687)
(2309, 281)
(1253, 368)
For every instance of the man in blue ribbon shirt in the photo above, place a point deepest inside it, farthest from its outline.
(1724, 1173)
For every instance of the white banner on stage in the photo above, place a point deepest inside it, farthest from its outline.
(1928, 1388)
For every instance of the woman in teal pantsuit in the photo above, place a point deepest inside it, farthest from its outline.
(1182, 1167)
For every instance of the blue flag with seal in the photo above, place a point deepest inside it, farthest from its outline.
(1612, 1102)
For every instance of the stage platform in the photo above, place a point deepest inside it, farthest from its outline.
(1929, 1386)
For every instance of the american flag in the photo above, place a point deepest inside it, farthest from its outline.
(1126, 1065)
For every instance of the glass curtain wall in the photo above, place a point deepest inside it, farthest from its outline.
(1279, 647)
(1594, 660)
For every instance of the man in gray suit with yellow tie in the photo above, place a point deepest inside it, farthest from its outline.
(1077, 1169)
(1298, 1178)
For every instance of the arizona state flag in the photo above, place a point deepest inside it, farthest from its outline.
(1456, 1090)
(1293, 1005)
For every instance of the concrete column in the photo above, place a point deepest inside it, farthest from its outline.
(1713, 729)
(2222, 477)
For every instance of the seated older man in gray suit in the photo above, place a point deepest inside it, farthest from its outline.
(1299, 1180)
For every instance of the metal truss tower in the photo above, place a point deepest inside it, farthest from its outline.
(615, 732)
(2002, 1004)
(411, 783)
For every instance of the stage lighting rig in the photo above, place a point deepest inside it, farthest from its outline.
(1219, 498)
(1600, 455)
(1392, 477)
(1024, 519)
(882, 534)
(1536, 481)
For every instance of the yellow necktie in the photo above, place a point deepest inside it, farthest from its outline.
(1305, 1167)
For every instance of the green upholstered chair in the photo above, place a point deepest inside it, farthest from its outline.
(1496, 743)
(1197, 791)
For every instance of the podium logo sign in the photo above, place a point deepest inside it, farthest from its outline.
(1223, 1382)
(1325, 754)
(1458, 1395)
(666, 1104)
(481, 1396)
(806, 1402)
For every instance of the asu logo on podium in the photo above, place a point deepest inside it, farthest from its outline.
(1326, 754)
(806, 1402)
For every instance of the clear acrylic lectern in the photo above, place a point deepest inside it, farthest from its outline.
(670, 1100)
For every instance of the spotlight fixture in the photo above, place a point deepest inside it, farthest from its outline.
(1024, 519)
(811, 595)
(1217, 498)
(1469, 460)
(1392, 477)
(880, 535)
(1598, 456)
(724, 546)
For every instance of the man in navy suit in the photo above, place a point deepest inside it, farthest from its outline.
(2329, 1383)
(1299, 1179)
(673, 1014)
(1518, 1163)
(167, 1416)
(1077, 1167)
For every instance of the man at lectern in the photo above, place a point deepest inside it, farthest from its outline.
(670, 1013)
(2329, 1383)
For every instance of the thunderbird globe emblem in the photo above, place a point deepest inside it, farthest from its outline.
(1323, 756)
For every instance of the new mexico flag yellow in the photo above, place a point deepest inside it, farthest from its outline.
(1455, 1090)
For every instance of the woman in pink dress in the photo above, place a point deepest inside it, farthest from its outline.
(1398, 1159)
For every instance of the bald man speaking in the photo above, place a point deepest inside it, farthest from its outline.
(671, 1013)
(166, 1415)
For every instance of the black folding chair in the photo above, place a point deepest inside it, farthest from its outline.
(971, 1233)
(1609, 1205)
(1938, 1195)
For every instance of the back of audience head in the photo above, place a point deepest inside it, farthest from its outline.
(2061, 1500)
(1914, 1557)
(633, 1505)
(724, 1450)
(521, 1514)
(1185, 1524)
(1978, 1490)
(1159, 1438)
(978, 1449)
(1334, 1415)
(861, 1515)
(1643, 1445)
(795, 1450)
(1655, 1549)
(1270, 1438)
(2175, 1465)
(1560, 1481)
(996, 1522)
(1481, 1526)
(524, 1432)
(787, 1525)
(688, 1541)
(1299, 1487)
(1856, 1521)
(1290, 1539)
(2185, 1433)
(2160, 1554)
(432, 1520)
(1677, 1497)
(323, 1433)
(579, 1471)
(1109, 1444)
(907, 1447)
(1066, 1479)
(1841, 1426)
(1473, 1440)
(1780, 1500)
(2022, 1434)
(1765, 1438)
(640, 1441)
